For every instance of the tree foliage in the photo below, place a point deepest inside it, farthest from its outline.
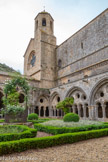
(65, 104)
(11, 90)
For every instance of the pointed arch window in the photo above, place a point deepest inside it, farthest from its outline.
(59, 63)
(43, 22)
(31, 60)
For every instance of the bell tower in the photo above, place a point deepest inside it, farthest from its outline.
(40, 54)
(44, 22)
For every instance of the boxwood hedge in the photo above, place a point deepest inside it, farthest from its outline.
(59, 130)
(26, 133)
(43, 142)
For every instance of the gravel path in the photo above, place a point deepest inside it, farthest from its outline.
(94, 150)
(42, 134)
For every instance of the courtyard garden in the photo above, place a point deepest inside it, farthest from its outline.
(20, 132)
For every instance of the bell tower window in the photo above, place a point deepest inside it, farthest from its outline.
(43, 22)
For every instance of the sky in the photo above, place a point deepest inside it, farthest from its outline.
(17, 23)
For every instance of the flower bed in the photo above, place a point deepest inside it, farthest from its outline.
(59, 130)
(43, 142)
(61, 123)
(15, 132)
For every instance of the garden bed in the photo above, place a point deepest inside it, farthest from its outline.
(60, 130)
(16, 132)
(61, 123)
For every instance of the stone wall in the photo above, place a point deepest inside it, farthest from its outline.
(87, 47)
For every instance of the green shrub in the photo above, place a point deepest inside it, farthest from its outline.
(25, 132)
(60, 130)
(43, 142)
(32, 116)
(1, 120)
(71, 117)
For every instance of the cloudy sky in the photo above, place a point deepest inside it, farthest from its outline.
(17, 23)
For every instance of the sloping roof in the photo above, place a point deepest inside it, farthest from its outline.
(44, 12)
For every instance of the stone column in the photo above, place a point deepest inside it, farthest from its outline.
(73, 108)
(44, 112)
(54, 112)
(103, 109)
(39, 111)
(79, 112)
(28, 111)
(50, 112)
(90, 112)
(96, 111)
(57, 112)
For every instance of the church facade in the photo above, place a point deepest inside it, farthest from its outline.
(76, 68)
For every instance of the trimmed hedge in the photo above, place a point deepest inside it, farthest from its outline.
(43, 142)
(69, 117)
(60, 130)
(27, 133)
(2, 121)
(33, 116)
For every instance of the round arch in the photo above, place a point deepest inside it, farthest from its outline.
(94, 90)
(71, 90)
(53, 96)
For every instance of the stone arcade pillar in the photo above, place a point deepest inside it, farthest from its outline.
(50, 112)
(57, 113)
(73, 108)
(96, 111)
(90, 111)
(44, 112)
(39, 111)
(103, 109)
(54, 112)
(79, 112)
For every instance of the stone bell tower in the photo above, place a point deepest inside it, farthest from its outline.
(40, 56)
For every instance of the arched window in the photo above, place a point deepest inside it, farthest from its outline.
(51, 25)
(59, 63)
(37, 24)
(31, 60)
(43, 22)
